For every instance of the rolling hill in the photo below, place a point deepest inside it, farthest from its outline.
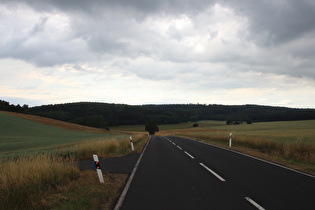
(22, 134)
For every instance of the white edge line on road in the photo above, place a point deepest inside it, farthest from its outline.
(179, 147)
(254, 203)
(192, 157)
(214, 173)
(256, 158)
(125, 190)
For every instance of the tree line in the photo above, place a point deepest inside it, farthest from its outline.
(103, 115)
(6, 106)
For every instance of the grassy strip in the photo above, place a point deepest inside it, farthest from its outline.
(86, 192)
(104, 148)
(48, 181)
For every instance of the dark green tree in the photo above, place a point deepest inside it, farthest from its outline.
(151, 127)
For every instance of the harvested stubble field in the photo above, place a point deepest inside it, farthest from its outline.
(291, 143)
(36, 164)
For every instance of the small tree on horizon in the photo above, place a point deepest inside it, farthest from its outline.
(151, 127)
(195, 125)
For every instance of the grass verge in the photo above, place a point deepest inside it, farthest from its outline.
(25, 180)
(86, 192)
(104, 148)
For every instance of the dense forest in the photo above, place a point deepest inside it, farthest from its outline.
(104, 115)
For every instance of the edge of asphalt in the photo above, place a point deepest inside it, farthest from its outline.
(125, 190)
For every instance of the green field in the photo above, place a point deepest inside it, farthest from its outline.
(20, 136)
(285, 131)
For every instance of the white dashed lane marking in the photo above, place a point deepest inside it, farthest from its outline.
(214, 173)
(192, 157)
(254, 203)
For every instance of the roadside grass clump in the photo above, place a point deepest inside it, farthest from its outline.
(24, 181)
(299, 151)
(104, 148)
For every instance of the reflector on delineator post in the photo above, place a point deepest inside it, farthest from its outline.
(98, 168)
(97, 165)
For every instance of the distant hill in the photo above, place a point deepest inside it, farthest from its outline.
(103, 115)
(21, 134)
(57, 123)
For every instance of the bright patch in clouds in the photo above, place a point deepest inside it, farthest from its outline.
(160, 52)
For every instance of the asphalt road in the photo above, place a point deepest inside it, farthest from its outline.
(178, 173)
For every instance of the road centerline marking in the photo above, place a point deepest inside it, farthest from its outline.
(179, 147)
(254, 203)
(214, 173)
(192, 157)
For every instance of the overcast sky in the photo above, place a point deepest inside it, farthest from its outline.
(158, 52)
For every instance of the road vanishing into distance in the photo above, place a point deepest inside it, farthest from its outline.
(179, 173)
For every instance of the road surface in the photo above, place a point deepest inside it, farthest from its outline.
(178, 173)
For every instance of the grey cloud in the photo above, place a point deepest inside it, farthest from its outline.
(276, 22)
(110, 28)
(271, 22)
(39, 26)
(96, 6)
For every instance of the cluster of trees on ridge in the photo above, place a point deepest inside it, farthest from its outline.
(103, 115)
(6, 106)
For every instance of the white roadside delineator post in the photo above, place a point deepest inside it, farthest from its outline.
(133, 149)
(98, 168)
(230, 141)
